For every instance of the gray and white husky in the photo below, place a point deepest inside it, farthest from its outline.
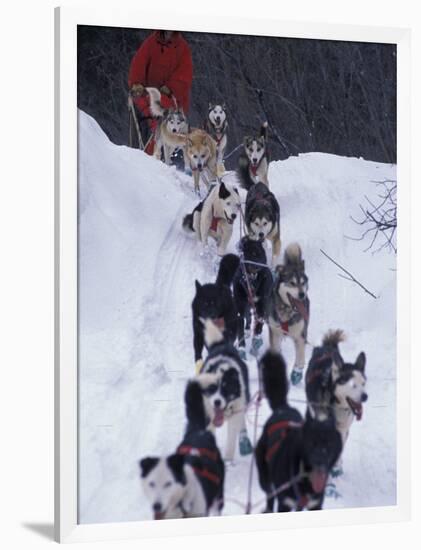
(262, 217)
(216, 125)
(288, 308)
(253, 163)
(171, 123)
(214, 216)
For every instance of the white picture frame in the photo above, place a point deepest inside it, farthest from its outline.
(67, 528)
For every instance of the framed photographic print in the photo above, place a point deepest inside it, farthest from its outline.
(231, 279)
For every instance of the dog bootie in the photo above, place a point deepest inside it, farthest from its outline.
(242, 353)
(331, 491)
(256, 344)
(245, 444)
(337, 470)
(296, 376)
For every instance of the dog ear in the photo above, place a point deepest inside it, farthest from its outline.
(224, 106)
(147, 464)
(198, 285)
(211, 106)
(176, 464)
(189, 141)
(246, 140)
(223, 191)
(360, 362)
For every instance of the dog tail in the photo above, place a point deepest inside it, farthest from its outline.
(243, 173)
(195, 408)
(264, 130)
(227, 268)
(333, 338)
(188, 223)
(213, 335)
(293, 254)
(155, 106)
(275, 381)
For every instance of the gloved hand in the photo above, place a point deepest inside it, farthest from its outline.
(137, 90)
(165, 90)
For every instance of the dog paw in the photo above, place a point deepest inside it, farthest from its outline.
(296, 376)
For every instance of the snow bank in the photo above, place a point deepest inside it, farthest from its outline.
(136, 283)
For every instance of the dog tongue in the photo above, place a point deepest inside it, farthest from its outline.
(300, 306)
(318, 478)
(359, 411)
(218, 419)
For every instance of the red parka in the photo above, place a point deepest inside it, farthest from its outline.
(158, 63)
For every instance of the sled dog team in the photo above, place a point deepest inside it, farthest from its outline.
(294, 455)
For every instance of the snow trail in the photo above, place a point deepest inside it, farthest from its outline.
(137, 270)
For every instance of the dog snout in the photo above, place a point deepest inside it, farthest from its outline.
(217, 403)
(174, 130)
(364, 397)
(199, 166)
(261, 235)
(233, 216)
(301, 295)
(157, 507)
(254, 160)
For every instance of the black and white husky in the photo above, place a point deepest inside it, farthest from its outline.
(216, 125)
(190, 482)
(214, 216)
(334, 386)
(225, 387)
(253, 163)
(294, 456)
(288, 308)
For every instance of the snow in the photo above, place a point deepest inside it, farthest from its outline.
(136, 282)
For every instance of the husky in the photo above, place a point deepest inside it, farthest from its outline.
(214, 301)
(333, 386)
(190, 482)
(288, 308)
(171, 123)
(225, 386)
(216, 126)
(293, 457)
(199, 149)
(253, 273)
(253, 163)
(262, 217)
(214, 216)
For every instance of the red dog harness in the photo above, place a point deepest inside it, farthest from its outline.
(280, 428)
(202, 452)
(215, 221)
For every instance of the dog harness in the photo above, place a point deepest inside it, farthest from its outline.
(215, 221)
(277, 432)
(205, 453)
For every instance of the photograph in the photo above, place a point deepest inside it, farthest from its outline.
(236, 274)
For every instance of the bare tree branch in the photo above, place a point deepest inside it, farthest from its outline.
(350, 275)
